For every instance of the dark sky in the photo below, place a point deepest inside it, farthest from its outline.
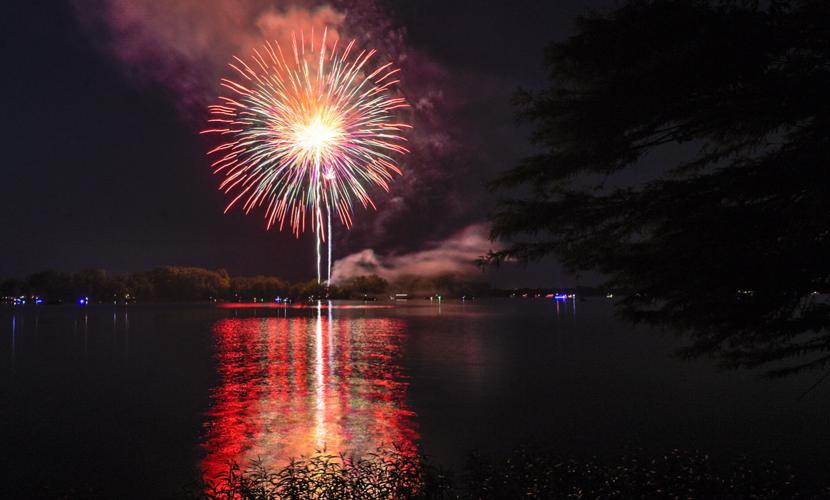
(102, 171)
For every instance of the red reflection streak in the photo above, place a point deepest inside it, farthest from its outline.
(291, 386)
(269, 305)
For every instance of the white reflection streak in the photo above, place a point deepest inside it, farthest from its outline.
(86, 335)
(320, 414)
(330, 332)
(14, 336)
(114, 331)
(126, 333)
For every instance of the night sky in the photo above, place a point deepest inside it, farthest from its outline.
(103, 166)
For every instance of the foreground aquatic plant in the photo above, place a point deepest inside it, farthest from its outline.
(385, 473)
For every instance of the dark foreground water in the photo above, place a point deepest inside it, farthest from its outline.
(136, 401)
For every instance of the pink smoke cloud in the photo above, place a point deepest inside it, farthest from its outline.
(454, 255)
(185, 44)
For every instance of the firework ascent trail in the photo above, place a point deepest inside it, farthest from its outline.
(309, 131)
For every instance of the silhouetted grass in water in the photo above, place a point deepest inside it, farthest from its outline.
(387, 473)
(524, 474)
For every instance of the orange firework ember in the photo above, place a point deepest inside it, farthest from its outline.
(309, 131)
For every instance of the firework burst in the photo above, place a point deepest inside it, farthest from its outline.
(309, 131)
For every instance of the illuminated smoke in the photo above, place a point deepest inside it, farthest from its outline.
(455, 255)
(185, 44)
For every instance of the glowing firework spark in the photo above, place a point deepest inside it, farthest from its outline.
(308, 132)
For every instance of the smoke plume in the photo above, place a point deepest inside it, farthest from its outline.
(185, 45)
(455, 255)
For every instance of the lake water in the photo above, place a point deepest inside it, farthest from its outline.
(136, 401)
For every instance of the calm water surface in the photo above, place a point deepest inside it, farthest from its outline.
(137, 401)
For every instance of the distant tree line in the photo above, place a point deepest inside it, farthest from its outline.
(173, 283)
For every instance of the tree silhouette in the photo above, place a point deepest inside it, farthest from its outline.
(365, 285)
(732, 239)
